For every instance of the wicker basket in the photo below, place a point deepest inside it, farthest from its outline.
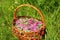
(24, 35)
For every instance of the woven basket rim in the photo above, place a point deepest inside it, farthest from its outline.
(27, 17)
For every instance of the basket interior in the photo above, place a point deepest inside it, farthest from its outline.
(28, 24)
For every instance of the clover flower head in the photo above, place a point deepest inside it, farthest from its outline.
(28, 24)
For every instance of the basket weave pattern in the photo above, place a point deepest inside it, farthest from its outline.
(28, 35)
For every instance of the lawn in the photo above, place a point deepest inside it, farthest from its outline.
(49, 8)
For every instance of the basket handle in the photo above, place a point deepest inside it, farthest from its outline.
(33, 8)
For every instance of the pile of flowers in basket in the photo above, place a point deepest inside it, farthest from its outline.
(28, 24)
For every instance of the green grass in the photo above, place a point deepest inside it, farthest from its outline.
(49, 8)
